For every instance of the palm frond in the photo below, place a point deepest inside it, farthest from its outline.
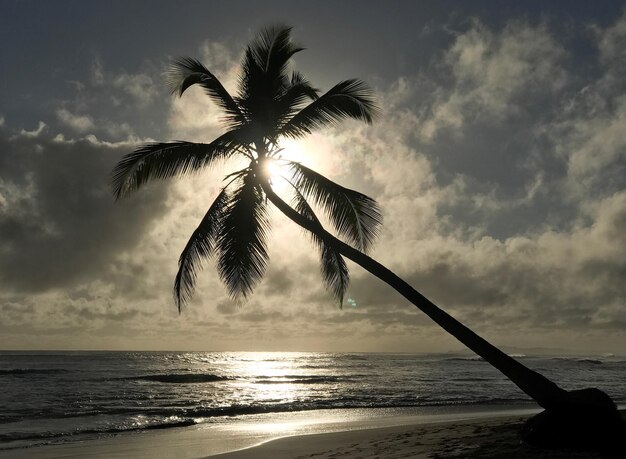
(348, 99)
(166, 159)
(251, 78)
(294, 95)
(302, 87)
(186, 71)
(354, 215)
(334, 269)
(254, 96)
(201, 245)
(273, 48)
(264, 77)
(241, 242)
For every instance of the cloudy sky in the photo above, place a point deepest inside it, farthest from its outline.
(498, 160)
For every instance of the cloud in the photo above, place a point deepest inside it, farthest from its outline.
(491, 72)
(97, 73)
(553, 278)
(594, 145)
(114, 103)
(589, 134)
(59, 224)
(609, 43)
(80, 123)
(41, 126)
(139, 86)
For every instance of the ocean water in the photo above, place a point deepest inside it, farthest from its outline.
(60, 397)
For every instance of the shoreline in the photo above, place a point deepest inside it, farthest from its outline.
(243, 433)
(318, 434)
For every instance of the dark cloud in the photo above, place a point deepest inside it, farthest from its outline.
(59, 224)
(109, 314)
(280, 281)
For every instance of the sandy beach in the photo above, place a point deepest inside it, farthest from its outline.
(485, 435)
(495, 438)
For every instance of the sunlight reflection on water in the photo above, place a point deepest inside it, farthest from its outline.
(268, 375)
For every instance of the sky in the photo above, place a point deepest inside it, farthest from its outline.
(498, 160)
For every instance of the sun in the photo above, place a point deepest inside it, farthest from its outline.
(277, 167)
(274, 169)
(278, 172)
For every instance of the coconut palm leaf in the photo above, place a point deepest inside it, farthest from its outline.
(254, 96)
(348, 99)
(167, 159)
(201, 245)
(241, 240)
(185, 72)
(272, 50)
(354, 215)
(264, 78)
(290, 101)
(334, 269)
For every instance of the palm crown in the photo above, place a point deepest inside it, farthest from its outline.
(271, 103)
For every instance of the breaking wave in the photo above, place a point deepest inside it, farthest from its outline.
(32, 371)
(184, 378)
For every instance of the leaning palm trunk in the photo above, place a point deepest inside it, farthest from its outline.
(582, 419)
(546, 393)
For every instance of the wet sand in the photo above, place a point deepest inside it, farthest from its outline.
(495, 438)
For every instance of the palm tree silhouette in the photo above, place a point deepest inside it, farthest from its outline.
(272, 104)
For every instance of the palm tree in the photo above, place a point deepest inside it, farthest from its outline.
(272, 104)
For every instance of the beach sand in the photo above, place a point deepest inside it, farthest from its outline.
(496, 438)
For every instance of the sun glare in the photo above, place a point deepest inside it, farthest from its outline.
(293, 150)
(278, 169)
(274, 169)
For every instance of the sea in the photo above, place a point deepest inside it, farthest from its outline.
(49, 398)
